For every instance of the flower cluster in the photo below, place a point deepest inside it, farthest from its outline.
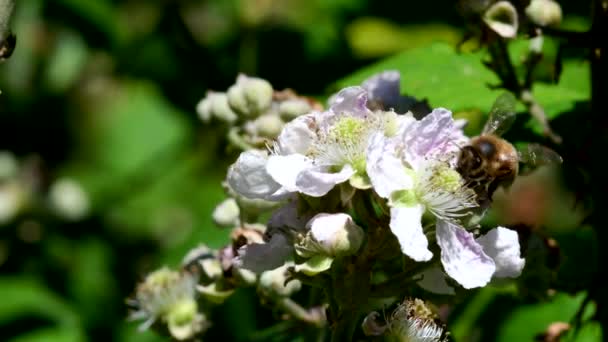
(406, 164)
(364, 191)
(254, 111)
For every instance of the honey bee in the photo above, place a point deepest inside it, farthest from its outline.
(489, 161)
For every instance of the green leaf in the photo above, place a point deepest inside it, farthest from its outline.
(460, 82)
(439, 74)
(528, 320)
(100, 14)
(362, 36)
(23, 297)
(57, 334)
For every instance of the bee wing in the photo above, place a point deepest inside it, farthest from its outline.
(537, 155)
(502, 115)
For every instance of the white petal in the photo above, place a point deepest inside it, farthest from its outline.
(324, 226)
(386, 172)
(316, 182)
(433, 280)
(350, 100)
(260, 257)
(502, 245)
(435, 134)
(248, 176)
(462, 257)
(285, 169)
(406, 224)
(297, 135)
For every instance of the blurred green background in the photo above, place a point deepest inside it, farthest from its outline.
(104, 92)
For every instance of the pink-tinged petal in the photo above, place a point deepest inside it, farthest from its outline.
(384, 87)
(463, 258)
(260, 257)
(350, 100)
(248, 176)
(384, 90)
(285, 169)
(385, 171)
(502, 245)
(317, 182)
(406, 225)
(297, 135)
(433, 280)
(435, 134)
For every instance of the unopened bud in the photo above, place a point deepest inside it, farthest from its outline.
(215, 105)
(69, 200)
(502, 19)
(226, 214)
(544, 13)
(268, 126)
(332, 235)
(291, 109)
(273, 282)
(250, 96)
(184, 321)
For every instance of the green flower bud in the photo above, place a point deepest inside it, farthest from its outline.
(291, 109)
(331, 235)
(250, 96)
(268, 126)
(544, 13)
(502, 19)
(184, 321)
(226, 214)
(215, 105)
(272, 282)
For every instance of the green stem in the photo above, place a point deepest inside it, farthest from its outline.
(314, 317)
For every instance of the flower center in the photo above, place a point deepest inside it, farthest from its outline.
(344, 144)
(446, 178)
(347, 130)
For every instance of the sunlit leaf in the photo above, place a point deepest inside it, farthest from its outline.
(528, 320)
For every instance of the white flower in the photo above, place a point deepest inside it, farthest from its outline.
(471, 261)
(316, 151)
(169, 296)
(415, 173)
(248, 177)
